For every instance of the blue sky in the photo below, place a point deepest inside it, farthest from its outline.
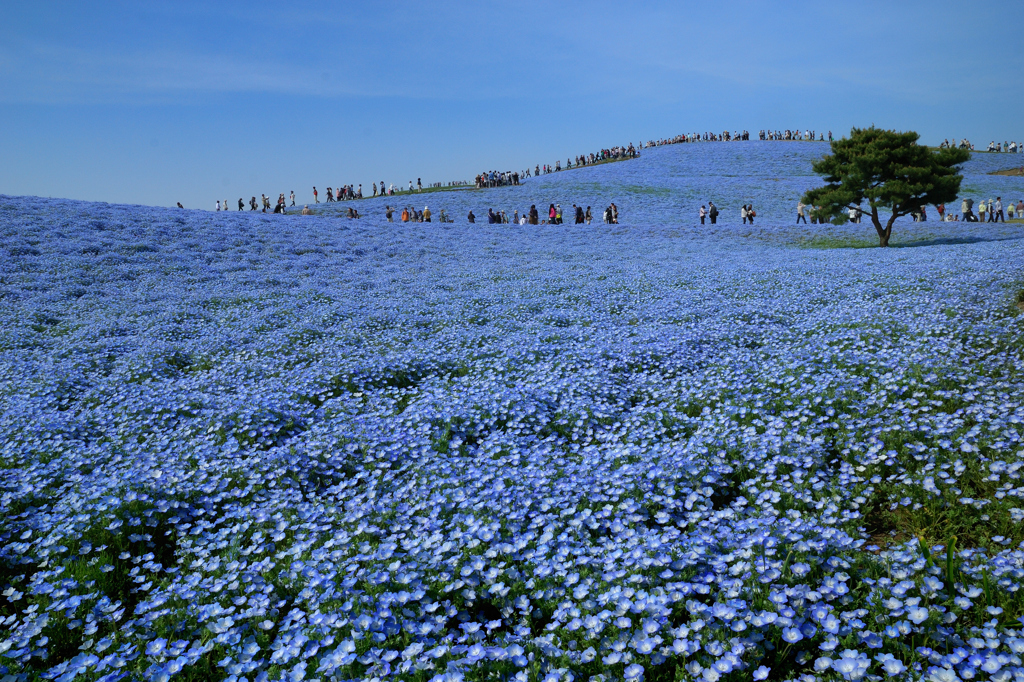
(160, 102)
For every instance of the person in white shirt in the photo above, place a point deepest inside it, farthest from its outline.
(218, 205)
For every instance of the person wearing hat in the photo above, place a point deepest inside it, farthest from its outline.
(306, 211)
(426, 214)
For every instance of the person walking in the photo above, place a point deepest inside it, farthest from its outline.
(713, 212)
(800, 213)
(589, 216)
(551, 214)
(241, 204)
(316, 200)
(981, 211)
(998, 216)
(703, 213)
(218, 205)
(743, 213)
(426, 214)
(293, 197)
(751, 213)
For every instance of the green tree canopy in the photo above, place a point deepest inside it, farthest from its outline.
(886, 170)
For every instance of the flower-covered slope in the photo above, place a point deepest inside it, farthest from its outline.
(667, 186)
(262, 447)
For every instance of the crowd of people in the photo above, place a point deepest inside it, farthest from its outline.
(724, 136)
(495, 178)
(993, 146)
(988, 212)
(264, 202)
(579, 216)
(794, 135)
(411, 215)
(743, 135)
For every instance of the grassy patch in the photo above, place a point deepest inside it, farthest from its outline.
(1016, 172)
(833, 242)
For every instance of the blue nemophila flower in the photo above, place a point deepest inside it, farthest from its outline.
(413, 453)
(890, 664)
(917, 615)
(792, 635)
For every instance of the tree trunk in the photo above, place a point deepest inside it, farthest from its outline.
(888, 229)
(883, 233)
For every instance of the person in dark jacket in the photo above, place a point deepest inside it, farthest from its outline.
(534, 216)
(471, 217)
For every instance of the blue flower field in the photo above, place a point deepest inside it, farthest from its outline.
(243, 446)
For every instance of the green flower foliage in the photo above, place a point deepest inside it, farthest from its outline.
(888, 171)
